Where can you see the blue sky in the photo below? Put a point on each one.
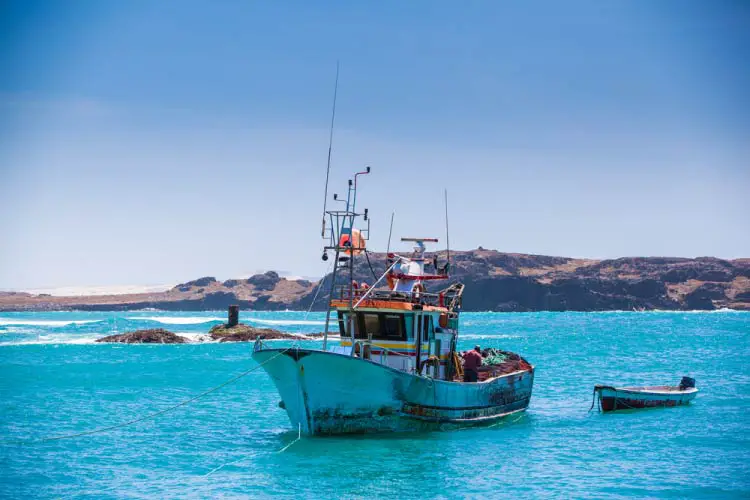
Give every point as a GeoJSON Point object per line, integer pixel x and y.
{"type": "Point", "coordinates": [154, 142]}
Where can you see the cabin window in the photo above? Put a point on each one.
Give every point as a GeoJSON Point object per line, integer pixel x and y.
{"type": "Point", "coordinates": [372, 324]}
{"type": "Point", "coordinates": [382, 326]}
{"type": "Point", "coordinates": [392, 327]}
{"type": "Point", "coordinates": [408, 327]}
{"type": "Point", "coordinates": [426, 328]}
{"type": "Point", "coordinates": [344, 326]}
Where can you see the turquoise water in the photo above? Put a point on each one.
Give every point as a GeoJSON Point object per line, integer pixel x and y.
{"type": "Point", "coordinates": [54, 381]}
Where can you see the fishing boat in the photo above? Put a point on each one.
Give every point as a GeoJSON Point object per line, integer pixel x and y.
{"type": "Point", "coordinates": [395, 366]}
{"type": "Point", "coordinates": [627, 398]}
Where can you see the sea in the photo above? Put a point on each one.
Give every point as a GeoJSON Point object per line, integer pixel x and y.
{"type": "Point", "coordinates": [235, 442]}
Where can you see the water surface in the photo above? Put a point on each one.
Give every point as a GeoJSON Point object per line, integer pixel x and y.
{"type": "Point", "coordinates": [54, 380]}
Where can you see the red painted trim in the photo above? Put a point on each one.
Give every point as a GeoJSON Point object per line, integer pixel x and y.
{"type": "Point", "coordinates": [426, 277]}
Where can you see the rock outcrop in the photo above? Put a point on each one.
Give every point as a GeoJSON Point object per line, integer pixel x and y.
{"type": "Point", "coordinates": [245, 333]}
{"type": "Point", "coordinates": [151, 336]}
{"type": "Point", "coordinates": [266, 281]}
{"type": "Point", "coordinates": [495, 281]}
{"type": "Point", "coordinates": [200, 282]}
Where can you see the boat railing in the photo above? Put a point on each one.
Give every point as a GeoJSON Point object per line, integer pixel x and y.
{"type": "Point", "coordinates": [424, 298]}
{"type": "Point", "coordinates": [258, 346]}
{"type": "Point", "coordinates": [384, 351]}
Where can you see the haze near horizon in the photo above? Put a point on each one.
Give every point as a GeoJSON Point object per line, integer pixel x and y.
{"type": "Point", "coordinates": [146, 143]}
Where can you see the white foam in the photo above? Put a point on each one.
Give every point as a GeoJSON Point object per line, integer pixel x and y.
{"type": "Point", "coordinates": [176, 320]}
{"type": "Point", "coordinates": [196, 337]}
{"type": "Point", "coordinates": [53, 340]}
{"type": "Point", "coordinates": [44, 322]}
{"type": "Point", "coordinates": [476, 336]}
{"type": "Point", "coordinates": [193, 338]}
{"type": "Point", "coordinates": [723, 310]}
{"type": "Point", "coordinates": [284, 321]}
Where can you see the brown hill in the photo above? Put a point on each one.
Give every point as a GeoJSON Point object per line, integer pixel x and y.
{"type": "Point", "coordinates": [495, 281]}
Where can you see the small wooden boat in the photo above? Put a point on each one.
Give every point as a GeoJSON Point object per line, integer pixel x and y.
{"type": "Point", "coordinates": [626, 398]}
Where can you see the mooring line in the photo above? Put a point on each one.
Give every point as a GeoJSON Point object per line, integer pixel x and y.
{"type": "Point", "coordinates": [145, 417]}
{"type": "Point", "coordinates": [240, 460]}
{"type": "Point", "coordinates": [319, 286]}
{"type": "Point", "coordinates": [593, 400]}
{"type": "Point", "coordinates": [502, 421]}
{"type": "Point", "coordinates": [225, 465]}
{"type": "Point", "coordinates": [299, 436]}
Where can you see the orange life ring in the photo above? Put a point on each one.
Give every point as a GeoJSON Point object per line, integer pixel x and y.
{"type": "Point", "coordinates": [354, 243]}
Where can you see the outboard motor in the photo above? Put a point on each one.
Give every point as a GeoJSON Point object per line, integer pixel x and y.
{"type": "Point", "coordinates": [687, 383]}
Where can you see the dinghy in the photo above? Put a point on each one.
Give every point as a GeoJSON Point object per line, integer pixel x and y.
{"type": "Point", "coordinates": [626, 398]}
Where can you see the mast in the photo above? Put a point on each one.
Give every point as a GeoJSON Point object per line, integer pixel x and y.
{"type": "Point", "coordinates": [447, 237]}
{"type": "Point", "coordinates": [330, 147]}
{"type": "Point", "coordinates": [325, 200]}
{"type": "Point", "coordinates": [390, 232]}
{"type": "Point", "coordinates": [341, 239]}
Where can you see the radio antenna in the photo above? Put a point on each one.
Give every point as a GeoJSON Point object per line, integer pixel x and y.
{"type": "Point", "coordinates": [330, 146]}
{"type": "Point", "coordinates": [447, 238]}
{"type": "Point", "coordinates": [390, 232]}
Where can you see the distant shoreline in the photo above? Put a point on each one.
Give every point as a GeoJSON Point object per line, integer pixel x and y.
{"type": "Point", "coordinates": [299, 311]}
{"type": "Point", "coordinates": [495, 281]}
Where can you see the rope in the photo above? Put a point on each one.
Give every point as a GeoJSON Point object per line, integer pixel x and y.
{"type": "Point", "coordinates": [225, 465]}
{"type": "Point", "coordinates": [145, 417]}
{"type": "Point", "coordinates": [299, 429]}
{"type": "Point", "coordinates": [598, 388]}
{"type": "Point", "coordinates": [502, 421]}
{"type": "Point", "coordinates": [367, 255]}
{"type": "Point", "coordinates": [319, 286]}
{"type": "Point", "coordinates": [398, 259]}
{"type": "Point", "coordinates": [458, 368]}
{"type": "Point", "coordinates": [299, 436]}
{"type": "Point", "coordinates": [593, 401]}
{"type": "Point", "coordinates": [240, 460]}
{"type": "Point", "coordinates": [216, 469]}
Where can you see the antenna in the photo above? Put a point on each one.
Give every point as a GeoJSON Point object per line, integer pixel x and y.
{"type": "Point", "coordinates": [447, 238]}
{"type": "Point", "coordinates": [390, 232]}
{"type": "Point", "coordinates": [330, 145]}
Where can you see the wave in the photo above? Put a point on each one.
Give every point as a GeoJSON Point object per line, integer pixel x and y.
{"type": "Point", "coordinates": [32, 339]}
{"type": "Point", "coordinates": [176, 320]}
{"type": "Point", "coordinates": [44, 322]}
{"type": "Point", "coordinates": [486, 336]}
{"type": "Point", "coordinates": [284, 321]}
{"type": "Point", "coordinates": [723, 310]}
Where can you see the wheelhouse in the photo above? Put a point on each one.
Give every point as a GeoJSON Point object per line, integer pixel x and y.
{"type": "Point", "coordinates": [416, 340]}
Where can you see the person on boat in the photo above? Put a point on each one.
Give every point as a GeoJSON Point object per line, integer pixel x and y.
{"type": "Point", "coordinates": [472, 361]}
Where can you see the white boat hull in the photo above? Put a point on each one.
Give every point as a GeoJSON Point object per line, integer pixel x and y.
{"type": "Point", "coordinates": [330, 393]}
